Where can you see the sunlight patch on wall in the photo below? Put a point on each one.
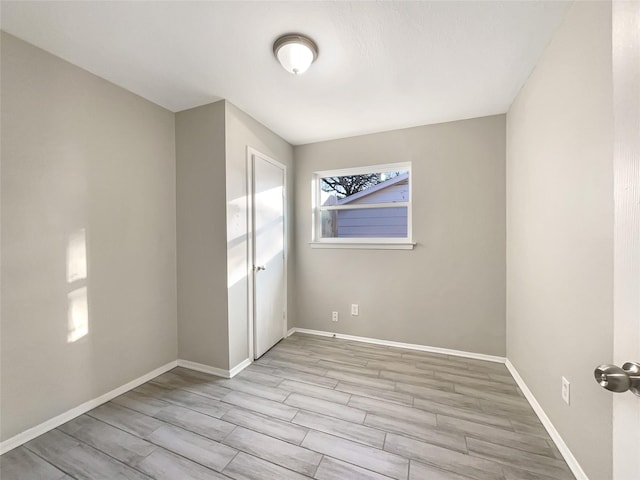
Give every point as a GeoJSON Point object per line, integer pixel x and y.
{"type": "Point", "coordinates": [236, 241]}
{"type": "Point", "coordinates": [77, 299]}
{"type": "Point", "coordinates": [77, 256]}
{"type": "Point", "coordinates": [77, 315]}
{"type": "Point", "coordinates": [237, 263]}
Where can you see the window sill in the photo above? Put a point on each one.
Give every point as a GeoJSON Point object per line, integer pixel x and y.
{"type": "Point", "coordinates": [364, 246]}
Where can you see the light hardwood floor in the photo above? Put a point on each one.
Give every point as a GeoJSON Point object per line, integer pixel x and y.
{"type": "Point", "coordinates": [312, 407]}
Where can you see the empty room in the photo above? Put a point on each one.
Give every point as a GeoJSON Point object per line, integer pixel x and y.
{"type": "Point", "coordinates": [347, 240]}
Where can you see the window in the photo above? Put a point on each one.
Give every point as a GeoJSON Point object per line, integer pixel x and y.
{"type": "Point", "coordinates": [363, 207]}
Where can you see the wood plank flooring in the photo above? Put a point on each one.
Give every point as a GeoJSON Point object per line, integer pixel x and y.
{"type": "Point", "coordinates": [312, 407]}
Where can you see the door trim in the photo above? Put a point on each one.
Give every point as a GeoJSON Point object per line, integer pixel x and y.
{"type": "Point", "coordinates": [251, 152]}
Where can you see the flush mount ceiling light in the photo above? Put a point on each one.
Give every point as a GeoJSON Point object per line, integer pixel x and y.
{"type": "Point", "coordinates": [295, 52]}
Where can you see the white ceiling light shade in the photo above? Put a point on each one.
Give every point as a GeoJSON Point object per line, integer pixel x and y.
{"type": "Point", "coordinates": [295, 52]}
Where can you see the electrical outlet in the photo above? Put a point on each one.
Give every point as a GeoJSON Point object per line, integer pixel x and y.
{"type": "Point", "coordinates": [334, 316]}
{"type": "Point", "coordinates": [566, 390]}
{"type": "Point", "coordinates": [355, 309]}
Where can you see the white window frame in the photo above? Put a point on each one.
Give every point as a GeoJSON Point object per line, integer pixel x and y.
{"type": "Point", "coordinates": [404, 243]}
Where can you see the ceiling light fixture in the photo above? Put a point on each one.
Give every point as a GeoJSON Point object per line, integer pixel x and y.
{"type": "Point", "coordinates": [295, 52]}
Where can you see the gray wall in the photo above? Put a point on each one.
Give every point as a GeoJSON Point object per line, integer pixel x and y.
{"type": "Point", "coordinates": [450, 290]}
{"type": "Point", "coordinates": [559, 231]}
{"type": "Point", "coordinates": [243, 131]}
{"type": "Point", "coordinates": [81, 155]}
{"type": "Point", "coordinates": [202, 282]}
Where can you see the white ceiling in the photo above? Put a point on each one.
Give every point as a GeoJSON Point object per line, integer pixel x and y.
{"type": "Point", "coordinates": [382, 65]}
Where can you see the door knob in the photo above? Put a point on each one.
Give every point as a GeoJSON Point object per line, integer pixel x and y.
{"type": "Point", "coordinates": [260, 267]}
{"type": "Point", "coordinates": [616, 379]}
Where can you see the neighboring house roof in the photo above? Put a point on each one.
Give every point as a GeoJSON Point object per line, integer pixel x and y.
{"type": "Point", "coordinates": [381, 186]}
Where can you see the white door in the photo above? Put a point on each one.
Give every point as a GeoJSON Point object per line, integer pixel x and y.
{"type": "Point", "coordinates": [269, 289]}
{"type": "Point", "coordinates": [626, 277]}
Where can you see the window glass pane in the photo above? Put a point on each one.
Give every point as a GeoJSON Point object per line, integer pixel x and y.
{"type": "Point", "coordinates": [386, 222]}
{"type": "Point", "coordinates": [381, 187]}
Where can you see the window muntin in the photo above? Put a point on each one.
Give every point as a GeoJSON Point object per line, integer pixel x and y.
{"type": "Point", "coordinates": [363, 205]}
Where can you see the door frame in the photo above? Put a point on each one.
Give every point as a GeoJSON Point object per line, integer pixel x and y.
{"type": "Point", "coordinates": [251, 274]}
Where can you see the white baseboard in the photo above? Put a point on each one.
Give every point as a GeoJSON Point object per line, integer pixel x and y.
{"type": "Point", "coordinates": [58, 420]}
{"type": "Point", "coordinates": [409, 346]}
{"type": "Point", "coordinates": [219, 372]}
{"type": "Point", "coordinates": [238, 368]}
{"type": "Point", "coordinates": [555, 435]}
{"type": "Point", "coordinates": [201, 367]}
